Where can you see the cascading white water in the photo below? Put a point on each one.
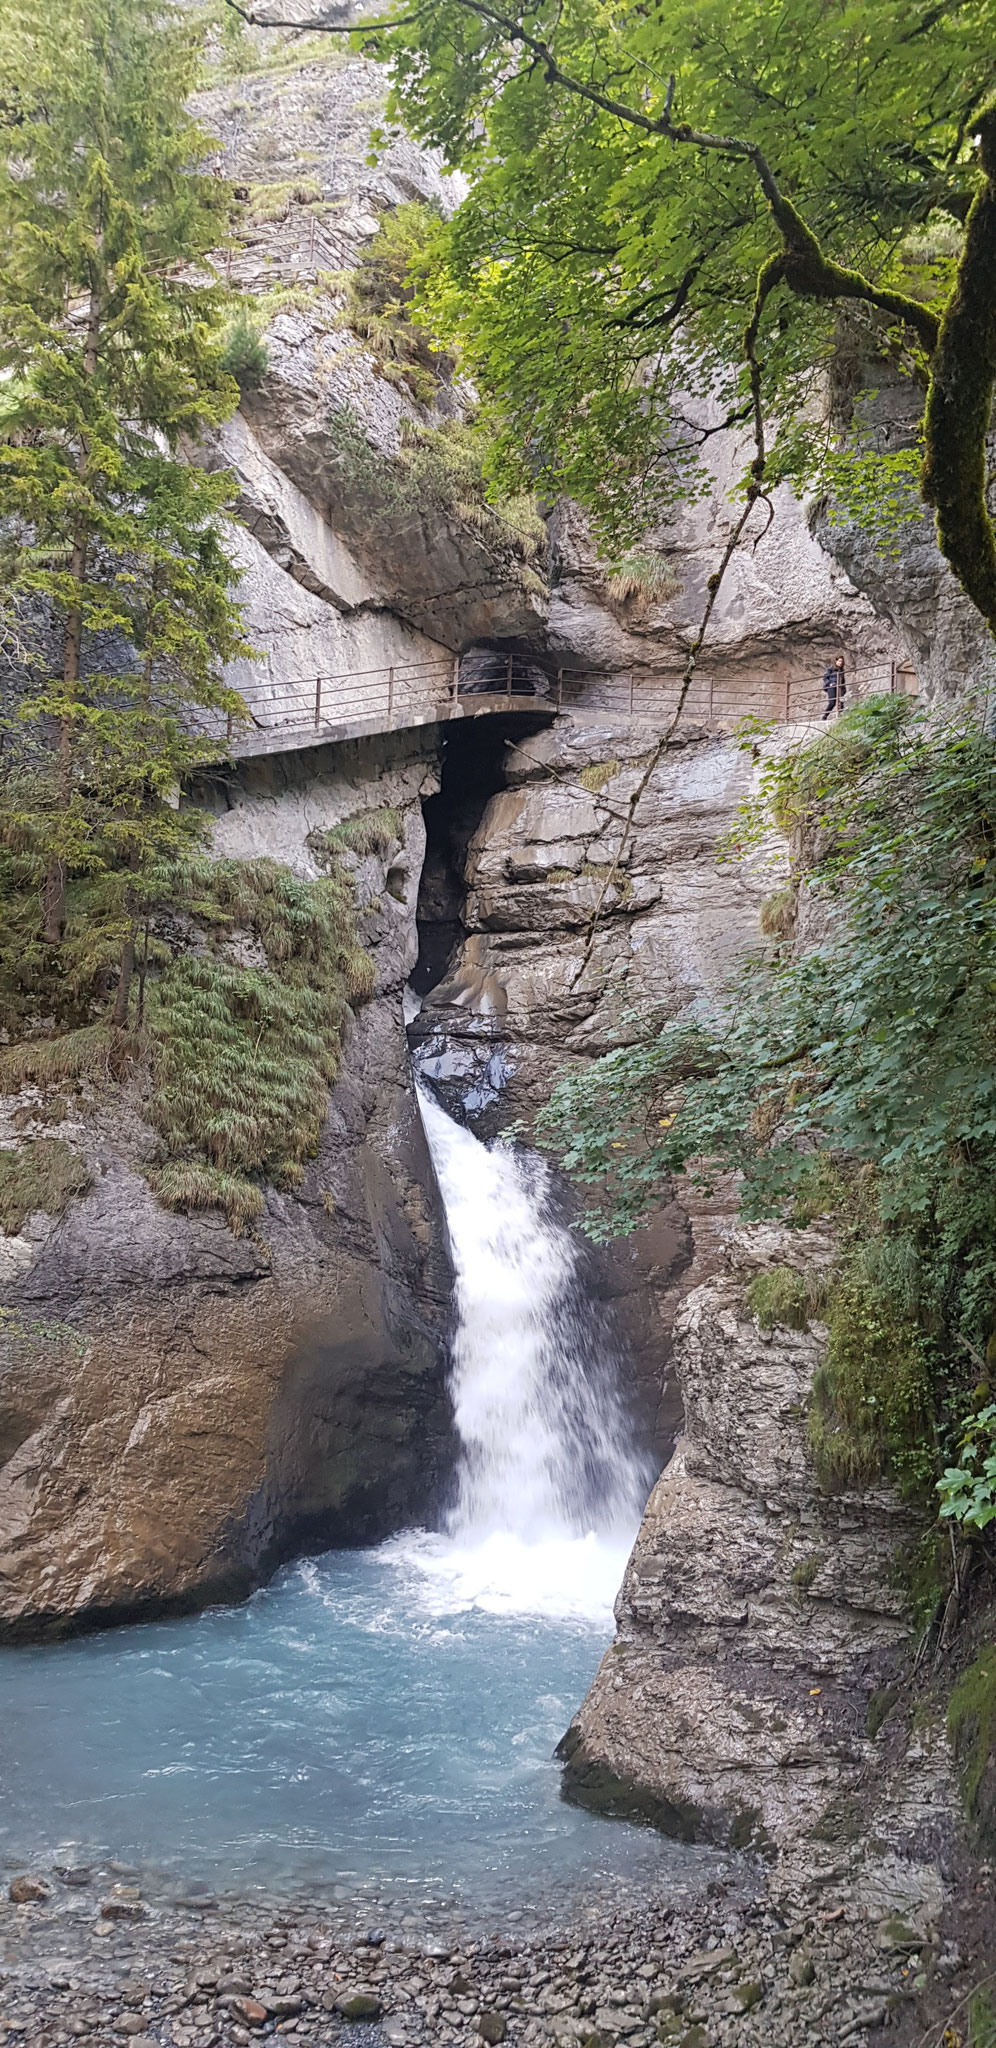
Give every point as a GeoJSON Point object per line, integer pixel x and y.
{"type": "Point", "coordinates": [549, 1487]}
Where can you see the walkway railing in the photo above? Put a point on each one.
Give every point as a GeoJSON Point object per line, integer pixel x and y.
{"type": "Point", "coordinates": [330, 707]}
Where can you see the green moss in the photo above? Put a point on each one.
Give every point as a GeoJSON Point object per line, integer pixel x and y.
{"type": "Point", "coordinates": [243, 1056]}
{"type": "Point", "coordinates": [747, 1831]}
{"type": "Point", "coordinates": [871, 1410]}
{"type": "Point", "coordinates": [820, 1190]}
{"type": "Point", "coordinates": [189, 1184]}
{"type": "Point", "coordinates": [879, 1708]}
{"type": "Point", "coordinates": [982, 2021]}
{"type": "Point", "coordinates": [922, 1573]}
{"type": "Point", "coordinates": [597, 774]}
{"type": "Point", "coordinates": [42, 1175]}
{"type": "Point", "coordinates": [778, 1299]}
{"type": "Point", "coordinates": [33, 1335]}
{"type": "Point", "coordinates": [559, 875]}
{"type": "Point", "coordinates": [971, 1723]}
{"type": "Point", "coordinates": [803, 1574]}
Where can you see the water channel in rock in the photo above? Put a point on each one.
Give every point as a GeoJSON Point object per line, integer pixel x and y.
{"type": "Point", "coordinates": [381, 1723]}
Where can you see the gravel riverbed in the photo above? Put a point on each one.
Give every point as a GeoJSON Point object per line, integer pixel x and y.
{"type": "Point", "coordinates": [755, 1958]}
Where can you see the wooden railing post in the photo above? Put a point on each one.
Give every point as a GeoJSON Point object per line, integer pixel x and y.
{"type": "Point", "coordinates": [318, 701]}
{"type": "Point", "coordinates": [390, 693]}
{"type": "Point", "coordinates": [711, 685]}
{"type": "Point", "coordinates": [508, 679]}
{"type": "Point", "coordinates": [456, 677]}
{"type": "Point", "coordinates": [785, 691]}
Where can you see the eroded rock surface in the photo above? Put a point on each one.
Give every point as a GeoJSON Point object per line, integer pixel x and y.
{"type": "Point", "coordinates": [758, 1615]}
{"type": "Point", "coordinates": [229, 1399]}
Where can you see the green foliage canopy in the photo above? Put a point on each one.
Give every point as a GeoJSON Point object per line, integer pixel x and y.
{"type": "Point", "coordinates": [643, 186]}
{"type": "Point", "coordinates": [119, 589]}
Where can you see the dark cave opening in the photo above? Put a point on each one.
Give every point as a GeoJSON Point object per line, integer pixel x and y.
{"type": "Point", "coordinates": [472, 772]}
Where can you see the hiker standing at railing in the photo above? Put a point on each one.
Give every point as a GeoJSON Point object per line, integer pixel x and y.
{"type": "Point", "coordinates": [834, 686]}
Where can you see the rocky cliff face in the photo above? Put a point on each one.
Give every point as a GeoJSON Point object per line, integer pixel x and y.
{"type": "Point", "coordinates": [346, 570]}
{"type": "Point", "coordinates": [181, 1408]}
{"type": "Point", "coordinates": [759, 1621]}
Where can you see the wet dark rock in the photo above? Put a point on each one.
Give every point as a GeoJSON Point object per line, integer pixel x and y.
{"type": "Point", "coordinates": [123, 1903]}
{"type": "Point", "coordinates": [358, 2005]}
{"type": "Point", "coordinates": [29, 1891]}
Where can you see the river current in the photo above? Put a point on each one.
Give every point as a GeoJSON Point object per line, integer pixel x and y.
{"type": "Point", "coordinates": [381, 1724]}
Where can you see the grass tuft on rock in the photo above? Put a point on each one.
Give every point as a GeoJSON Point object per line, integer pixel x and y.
{"type": "Point", "coordinates": [378, 831]}
{"type": "Point", "coordinates": [41, 1175]}
{"type": "Point", "coordinates": [244, 1055]}
{"type": "Point", "coordinates": [184, 1184]}
{"type": "Point", "coordinates": [272, 203]}
{"type": "Point", "coordinates": [596, 775]}
{"type": "Point", "coordinates": [643, 578]}
{"type": "Point", "coordinates": [778, 913]}
{"type": "Point", "coordinates": [87, 1054]}
{"type": "Point", "coordinates": [778, 1299]}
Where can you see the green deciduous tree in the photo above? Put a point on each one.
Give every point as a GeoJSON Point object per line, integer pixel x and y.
{"type": "Point", "coordinates": [120, 605]}
{"type": "Point", "coordinates": [662, 195]}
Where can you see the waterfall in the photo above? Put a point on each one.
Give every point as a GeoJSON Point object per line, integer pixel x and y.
{"type": "Point", "coordinates": [549, 1487]}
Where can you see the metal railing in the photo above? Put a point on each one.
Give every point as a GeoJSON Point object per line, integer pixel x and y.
{"type": "Point", "coordinates": [358, 702]}
{"type": "Point", "coordinates": [710, 700]}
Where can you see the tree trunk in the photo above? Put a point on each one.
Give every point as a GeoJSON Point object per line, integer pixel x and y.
{"type": "Point", "coordinates": [55, 879]}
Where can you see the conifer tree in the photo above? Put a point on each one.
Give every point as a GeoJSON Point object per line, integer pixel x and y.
{"type": "Point", "coordinates": [120, 606]}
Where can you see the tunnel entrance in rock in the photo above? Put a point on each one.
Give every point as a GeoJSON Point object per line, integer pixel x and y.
{"type": "Point", "coordinates": [472, 772]}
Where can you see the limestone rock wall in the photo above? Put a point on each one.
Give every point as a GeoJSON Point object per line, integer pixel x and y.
{"type": "Point", "coordinates": [226, 1401]}
{"type": "Point", "coordinates": [519, 997]}
{"type": "Point", "coordinates": [787, 603]}
{"type": "Point", "coordinates": [517, 1000]}
{"type": "Point", "coordinates": [394, 577]}
{"type": "Point", "coordinates": [758, 1617]}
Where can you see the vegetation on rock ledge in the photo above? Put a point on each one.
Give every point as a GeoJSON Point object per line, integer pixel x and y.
{"type": "Point", "coordinates": [855, 1080]}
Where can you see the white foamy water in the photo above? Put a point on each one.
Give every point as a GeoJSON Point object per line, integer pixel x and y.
{"type": "Point", "coordinates": [550, 1489]}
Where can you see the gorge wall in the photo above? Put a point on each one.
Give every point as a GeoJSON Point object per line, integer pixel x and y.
{"type": "Point", "coordinates": [183, 1407]}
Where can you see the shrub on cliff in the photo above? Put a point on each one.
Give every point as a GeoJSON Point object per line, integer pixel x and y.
{"type": "Point", "coordinates": [381, 301]}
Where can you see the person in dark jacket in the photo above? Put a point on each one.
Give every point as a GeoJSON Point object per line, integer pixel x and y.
{"type": "Point", "coordinates": [834, 686]}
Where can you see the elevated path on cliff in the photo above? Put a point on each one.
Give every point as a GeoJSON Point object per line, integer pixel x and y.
{"type": "Point", "coordinates": [323, 709]}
